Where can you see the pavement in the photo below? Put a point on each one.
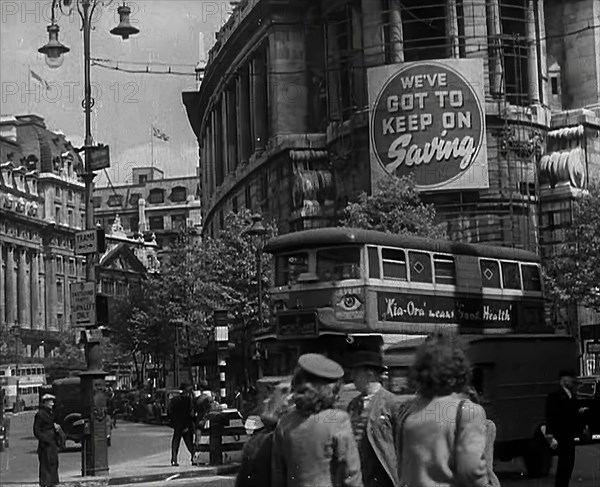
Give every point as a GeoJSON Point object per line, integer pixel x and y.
{"type": "Point", "coordinates": [151, 468]}
{"type": "Point", "coordinates": [140, 453]}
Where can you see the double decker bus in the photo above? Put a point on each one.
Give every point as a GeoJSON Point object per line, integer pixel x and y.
{"type": "Point", "coordinates": [341, 289]}
{"type": "Point", "coordinates": [340, 286]}
{"type": "Point", "coordinates": [26, 379]}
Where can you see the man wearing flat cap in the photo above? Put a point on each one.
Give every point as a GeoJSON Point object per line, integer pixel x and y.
{"type": "Point", "coordinates": [44, 429]}
{"type": "Point", "coordinates": [373, 414]}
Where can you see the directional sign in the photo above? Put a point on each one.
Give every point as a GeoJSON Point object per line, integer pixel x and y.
{"type": "Point", "coordinates": [83, 303]}
{"type": "Point", "coordinates": [99, 157]}
{"type": "Point", "coordinates": [86, 242]}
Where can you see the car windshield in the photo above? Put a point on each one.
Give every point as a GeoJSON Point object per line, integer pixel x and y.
{"type": "Point", "coordinates": [586, 388]}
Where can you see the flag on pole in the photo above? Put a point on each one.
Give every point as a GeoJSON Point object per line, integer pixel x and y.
{"type": "Point", "coordinates": [159, 134]}
{"type": "Point", "coordinates": [39, 79]}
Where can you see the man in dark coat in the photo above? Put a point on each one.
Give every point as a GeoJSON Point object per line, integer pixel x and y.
{"type": "Point", "coordinates": [563, 424]}
{"type": "Point", "coordinates": [44, 429]}
{"type": "Point", "coordinates": [181, 414]}
{"type": "Point", "coordinates": [373, 414]}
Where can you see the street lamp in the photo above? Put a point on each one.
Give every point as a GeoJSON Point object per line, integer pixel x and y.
{"type": "Point", "coordinates": [258, 231]}
{"type": "Point", "coordinates": [94, 452]}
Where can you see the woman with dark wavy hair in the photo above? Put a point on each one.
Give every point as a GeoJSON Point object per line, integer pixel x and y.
{"type": "Point", "coordinates": [442, 438]}
{"type": "Point", "coordinates": [313, 444]}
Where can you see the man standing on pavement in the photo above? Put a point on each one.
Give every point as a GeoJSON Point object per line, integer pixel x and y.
{"type": "Point", "coordinates": [563, 424]}
{"type": "Point", "coordinates": [45, 430]}
{"type": "Point", "coordinates": [203, 403]}
{"type": "Point", "coordinates": [373, 414]}
{"type": "Point", "coordinates": [181, 414]}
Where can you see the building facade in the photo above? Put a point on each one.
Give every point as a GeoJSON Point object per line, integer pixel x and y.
{"type": "Point", "coordinates": [294, 93]}
{"type": "Point", "coordinates": [283, 121]}
{"type": "Point", "coordinates": [42, 207]}
{"type": "Point", "coordinates": [151, 204]}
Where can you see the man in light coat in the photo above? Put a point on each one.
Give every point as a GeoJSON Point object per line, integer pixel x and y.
{"type": "Point", "coordinates": [373, 413]}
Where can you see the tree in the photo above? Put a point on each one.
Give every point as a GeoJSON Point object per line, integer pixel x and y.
{"type": "Point", "coordinates": [394, 207]}
{"type": "Point", "coordinates": [572, 276]}
{"type": "Point", "coordinates": [196, 278]}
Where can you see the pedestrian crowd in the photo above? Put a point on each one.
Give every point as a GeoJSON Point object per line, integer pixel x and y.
{"type": "Point", "coordinates": [440, 437]}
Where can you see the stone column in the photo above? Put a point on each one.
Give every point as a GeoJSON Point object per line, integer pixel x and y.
{"type": "Point", "coordinates": [2, 287]}
{"type": "Point", "coordinates": [51, 297]}
{"type": "Point", "coordinates": [540, 19]}
{"type": "Point", "coordinates": [259, 98]}
{"type": "Point", "coordinates": [243, 115]}
{"type": "Point", "coordinates": [35, 291]}
{"type": "Point", "coordinates": [452, 29]}
{"type": "Point", "coordinates": [396, 33]}
{"type": "Point", "coordinates": [210, 157]}
{"type": "Point", "coordinates": [231, 121]}
{"type": "Point", "coordinates": [23, 290]}
{"type": "Point", "coordinates": [495, 62]}
{"type": "Point", "coordinates": [223, 127]}
{"type": "Point", "coordinates": [218, 137]}
{"type": "Point", "coordinates": [288, 93]}
{"type": "Point", "coordinates": [372, 27]}
{"type": "Point", "coordinates": [11, 287]}
{"type": "Point", "coordinates": [532, 54]}
{"type": "Point", "coordinates": [333, 75]}
{"type": "Point", "coordinates": [42, 291]}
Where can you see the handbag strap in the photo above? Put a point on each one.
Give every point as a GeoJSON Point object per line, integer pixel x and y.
{"type": "Point", "coordinates": [459, 413]}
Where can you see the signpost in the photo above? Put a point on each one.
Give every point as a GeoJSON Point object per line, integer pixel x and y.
{"type": "Point", "coordinates": [83, 303]}
{"type": "Point", "coordinates": [99, 157]}
{"type": "Point", "coordinates": [89, 242]}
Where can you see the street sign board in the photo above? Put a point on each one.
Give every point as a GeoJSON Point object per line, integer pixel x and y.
{"type": "Point", "coordinates": [83, 303]}
{"type": "Point", "coordinates": [99, 157]}
{"type": "Point", "coordinates": [86, 242]}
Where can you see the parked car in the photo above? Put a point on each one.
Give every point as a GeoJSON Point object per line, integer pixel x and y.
{"type": "Point", "coordinates": [68, 408]}
{"type": "Point", "coordinates": [162, 398]}
{"type": "Point", "coordinates": [4, 423]}
{"type": "Point", "coordinates": [588, 395]}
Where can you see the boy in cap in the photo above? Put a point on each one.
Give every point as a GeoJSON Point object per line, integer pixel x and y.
{"type": "Point", "coordinates": [45, 429]}
{"type": "Point", "coordinates": [373, 414]}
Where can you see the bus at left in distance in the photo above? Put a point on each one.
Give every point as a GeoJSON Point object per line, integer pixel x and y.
{"type": "Point", "coordinates": [21, 385]}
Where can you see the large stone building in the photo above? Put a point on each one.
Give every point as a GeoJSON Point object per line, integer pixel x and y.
{"type": "Point", "coordinates": [303, 105]}
{"type": "Point", "coordinates": [151, 204]}
{"type": "Point", "coordinates": [42, 207]}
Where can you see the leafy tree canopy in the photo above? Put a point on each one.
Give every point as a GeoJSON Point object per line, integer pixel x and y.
{"type": "Point", "coordinates": [394, 207]}
{"type": "Point", "coordinates": [573, 275]}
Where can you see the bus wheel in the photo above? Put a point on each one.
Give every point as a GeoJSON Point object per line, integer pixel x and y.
{"type": "Point", "coordinates": [538, 456]}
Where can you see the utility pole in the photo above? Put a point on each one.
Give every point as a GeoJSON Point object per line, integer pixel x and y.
{"type": "Point", "coordinates": [94, 459]}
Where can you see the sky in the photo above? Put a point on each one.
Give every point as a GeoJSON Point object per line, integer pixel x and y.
{"type": "Point", "coordinates": [126, 104]}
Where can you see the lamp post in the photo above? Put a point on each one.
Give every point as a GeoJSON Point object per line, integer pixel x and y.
{"type": "Point", "coordinates": [258, 231]}
{"type": "Point", "coordinates": [94, 451]}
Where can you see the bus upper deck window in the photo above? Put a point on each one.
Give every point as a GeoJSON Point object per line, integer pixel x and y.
{"type": "Point", "coordinates": [394, 264]}
{"type": "Point", "coordinates": [289, 267]}
{"type": "Point", "coordinates": [420, 267]}
{"type": "Point", "coordinates": [490, 273]}
{"type": "Point", "coordinates": [338, 263]}
{"type": "Point", "coordinates": [531, 277]}
{"type": "Point", "coordinates": [511, 277]}
{"type": "Point", "coordinates": [444, 269]}
{"type": "Point", "coordinates": [373, 263]}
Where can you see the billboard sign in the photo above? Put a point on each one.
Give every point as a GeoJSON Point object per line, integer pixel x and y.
{"type": "Point", "coordinates": [427, 118]}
